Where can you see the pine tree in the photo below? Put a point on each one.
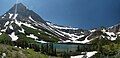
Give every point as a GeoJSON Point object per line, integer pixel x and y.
{"type": "Point", "coordinates": [55, 52]}
{"type": "Point", "coordinates": [78, 48]}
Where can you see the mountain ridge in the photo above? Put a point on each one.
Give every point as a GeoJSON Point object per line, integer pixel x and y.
{"type": "Point", "coordinates": [30, 24]}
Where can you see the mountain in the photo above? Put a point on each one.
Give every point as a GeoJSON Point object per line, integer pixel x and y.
{"type": "Point", "coordinates": [115, 28]}
{"type": "Point", "coordinates": [77, 35]}
{"type": "Point", "coordinates": [20, 23]}
{"type": "Point", "coordinates": [20, 20]}
{"type": "Point", "coordinates": [23, 28]}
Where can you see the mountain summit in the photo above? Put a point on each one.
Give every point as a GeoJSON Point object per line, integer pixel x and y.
{"type": "Point", "coordinates": [19, 8]}
{"type": "Point", "coordinates": [22, 14]}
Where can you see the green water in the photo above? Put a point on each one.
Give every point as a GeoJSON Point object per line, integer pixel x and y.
{"type": "Point", "coordinates": [65, 47]}
{"type": "Point", "coordinates": [68, 47]}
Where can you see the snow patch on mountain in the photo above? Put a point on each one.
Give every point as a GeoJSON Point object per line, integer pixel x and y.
{"type": "Point", "coordinates": [18, 23]}
{"type": "Point", "coordinates": [102, 36]}
{"type": "Point", "coordinates": [4, 14]}
{"type": "Point", "coordinates": [48, 33]}
{"type": "Point", "coordinates": [11, 22]}
{"type": "Point", "coordinates": [78, 56]}
{"type": "Point", "coordinates": [73, 36]}
{"type": "Point", "coordinates": [75, 41]}
{"type": "Point", "coordinates": [68, 41]}
{"type": "Point", "coordinates": [15, 16]}
{"type": "Point", "coordinates": [103, 30]}
{"type": "Point", "coordinates": [13, 36]}
{"type": "Point", "coordinates": [11, 27]}
{"type": "Point", "coordinates": [92, 30]}
{"type": "Point", "coordinates": [31, 19]}
{"type": "Point", "coordinates": [87, 54]}
{"type": "Point", "coordinates": [10, 15]}
{"type": "Point", "coordinates": [118, 33]}
{"type": "Point", "coordinates": [84, 41]}
{"type": "Point", "coordinates": [112, 36]}
{"type": "Point", "coordinates": [25, 24]}
{"type": "Point", "coordinates": [60, 27]}
{"type": "Point", "coordinates": [90, 54]}
{"type": "Point", "coordinates": [4, 30]}
{"type": "Point", "coordinates": [39, 33]}
{"type": "Point", "coordinates": [41, 41]}
{"type": "Point", "coordinates": [0, 33]}
{"type": "Point", "coordinates": [58, 33]}
{"type": "Point", "coordinates": [32, 36]}
{"type": "Point", "coordinates": [6, 23]}
{"type": "Point", "coordinates": [29, 25]}
{"type": "Point", "coordinates": [22, 30]}
{"type": "Point", "coordinates": [3, 17]}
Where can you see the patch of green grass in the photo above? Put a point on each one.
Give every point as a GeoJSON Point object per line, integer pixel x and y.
{"type": "Point", "coordinates": [32, 54]}
{"type": "Point", "coordinates": [14, 52]}
{"type": "Point", "coordinates": [5, 39]}
{"type": "Point", "coordinates": [42, 35]}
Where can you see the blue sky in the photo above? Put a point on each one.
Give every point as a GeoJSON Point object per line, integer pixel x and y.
{"type": "Point", "coordinates": [86, 14]}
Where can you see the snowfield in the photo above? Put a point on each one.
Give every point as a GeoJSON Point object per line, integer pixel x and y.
{"type": "Point", "coordinates": [15, 16]}
{"type": "Point", "coordinates": [41, 41]}
{"type": "Point", "coordinates": [6, 23]}
{"type": "Point", "coordinates": [0, 33]}
{"type": "Point", "coordinates": [4, 30]}
{"type": "Point", "coordinates": [25, 24]}
{"type": "Point", "coordinates": [59, 27]}
{"type": "Point", "coordinates": [31, 19]}
{"type": "Point", "coordinates": [10, 15]}
{"type": "Point", "coordinates": [72, 36]}
{"type": "Point", "coordinates": [11, 27]}
{"type": "Point", "coordinates": [92, 30]}
{"type": "Point", "coordinates": [112, 36]}
{"type": "Point", "coordinates": [3, 17]}
{"type": "Point", "coordinates": [13, 36]}
{"type": "Point", "coordinates": [22, 31]}
{"type": "Point", "coordinates": [118, 32]}
{"type": "Point", "coordinates": [88, 54]}
{"type": "Point", "coordinates": [32, 36]}
{"type": "Point", "coordinates": [78, 56]}
{"type": "Point", "coordinates": [84, 41]}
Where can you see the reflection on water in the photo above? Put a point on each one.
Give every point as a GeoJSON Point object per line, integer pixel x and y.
{"type": "Point", "coordinates": [69, 47]}
{"type": "Point", "coordinates": [65, 47]}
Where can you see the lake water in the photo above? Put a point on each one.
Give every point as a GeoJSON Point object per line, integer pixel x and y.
{"type": "Point", "coordinates": [67, 47]}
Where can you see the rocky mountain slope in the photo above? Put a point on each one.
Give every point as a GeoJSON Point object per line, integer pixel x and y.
{"type": "Point", "coordinates": [25, 22]}
{"type": "Point", "coordinates": [20, 22]}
